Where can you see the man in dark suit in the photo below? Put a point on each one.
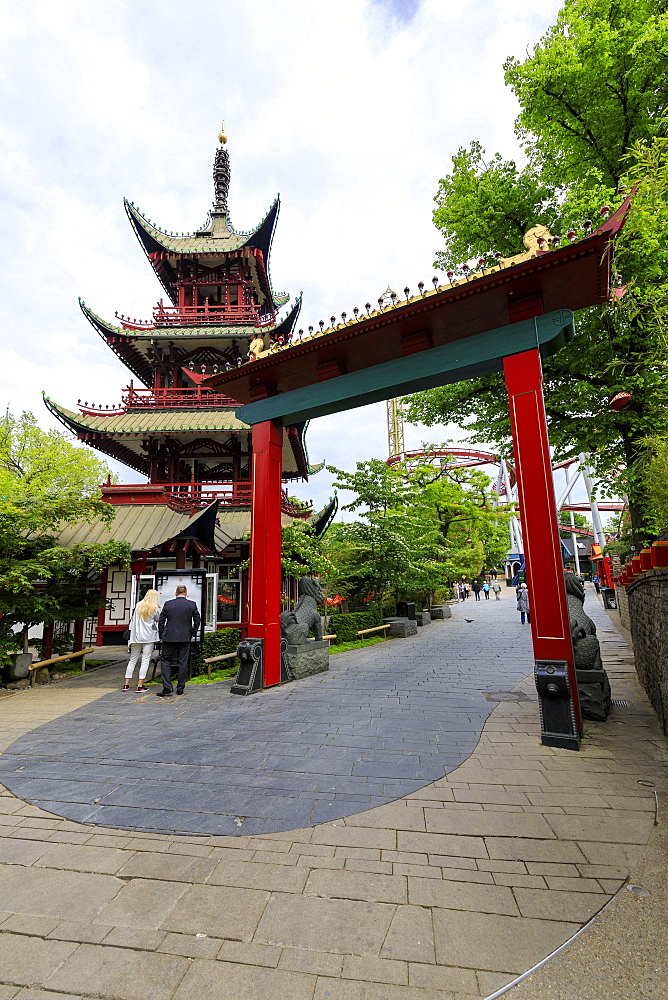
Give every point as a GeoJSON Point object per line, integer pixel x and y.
{"type": "Point", "coordinates": [177, 626]}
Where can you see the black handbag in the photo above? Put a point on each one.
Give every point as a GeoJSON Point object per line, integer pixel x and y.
{"type": "Point", "coordinates": [126, 636]}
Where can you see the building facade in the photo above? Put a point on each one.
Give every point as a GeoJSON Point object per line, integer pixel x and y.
{"type": "Point", "coordinates": [217, 309]}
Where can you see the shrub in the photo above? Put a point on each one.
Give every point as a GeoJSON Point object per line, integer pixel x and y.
{"type": "Point", "coordinates": [346, 626]}
{"type": "Point", "coordinates": [225, 640]}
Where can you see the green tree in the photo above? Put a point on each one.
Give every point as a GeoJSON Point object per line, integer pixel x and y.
{"type": "Point", "coordinates": [592, 100]}
{"type": "Point", "coordinates": [579, 519]}
{"type": "Point", "coordinates": [45, 482]}
{"type": "Point", "coordinates": [418, 528]}
{"type": "Point", "coordinates": [303, 554]}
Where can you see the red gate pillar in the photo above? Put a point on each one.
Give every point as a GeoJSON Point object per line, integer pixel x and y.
{"type": "Point", "coordinates": [542, 548]}
{"type": "Point", "coordinates": [265, 546]}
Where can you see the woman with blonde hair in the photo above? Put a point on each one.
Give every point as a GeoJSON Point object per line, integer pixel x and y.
{"type": "Point", "coordinates": [143, 636]}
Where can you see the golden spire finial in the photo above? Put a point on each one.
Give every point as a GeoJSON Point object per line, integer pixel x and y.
{"type": "Point", "coordinates": [222, 138]}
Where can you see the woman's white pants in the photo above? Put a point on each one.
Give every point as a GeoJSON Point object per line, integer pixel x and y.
{"type": "Point", "coordinates": [137, 649]}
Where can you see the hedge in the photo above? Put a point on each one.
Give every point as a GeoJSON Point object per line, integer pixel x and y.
{"type": "Point", "coordinates": [347, 626]}
{"type": "Point", "coordinates": [225, 640]}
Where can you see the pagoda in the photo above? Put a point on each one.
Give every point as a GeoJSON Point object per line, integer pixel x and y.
{"type": "Point", "coordinates": [217, 310]}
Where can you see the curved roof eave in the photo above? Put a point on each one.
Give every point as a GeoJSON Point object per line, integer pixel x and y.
{"type": "Point", "coordinates": [155, 240]}
{"type": "Point", "coordinates": [130, 358]}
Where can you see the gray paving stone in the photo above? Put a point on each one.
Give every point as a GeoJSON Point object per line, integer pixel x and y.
{"type": "Point", "coordinates": [169, 868]}
{"type": "Point", "coordinates": [105, 860]}
{"type": "Point", "coordinates": [142, 904]}
{"type": "Point", "coordinates": [343, 926]}
{"type": "Point", "coordinates": [357, 885]}
{"type": "Point", "coordinates": [119, 973]}
{"type": "Point", "coordinates": [410, 937]}
{"type": "Point", "coordinates": [88, 933]}
{"type": "Point", "coordinates": [20, 852]}
{"type": "Point", "coordinates": [226, 981]}
{"type": "Point", "coordinates": [30, 961]}
{"type": "Point", "coordinates": [65, 895]}
{"type": "Point", "coordinates": [462, 896]}
{"type": "Point", "coordinates": [256, 875]}
{"type": "Point", "coordinates": [495, 943]}
{"type": "Point", "coordinates": [219, 911]}
{"type": "Point", "coordinates": [28, 923]}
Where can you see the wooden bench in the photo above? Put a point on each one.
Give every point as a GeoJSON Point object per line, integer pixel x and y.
{"type": "Point", "coordinates": [43, 664]}
{"type": "Point", "coordinates": [217, 659]}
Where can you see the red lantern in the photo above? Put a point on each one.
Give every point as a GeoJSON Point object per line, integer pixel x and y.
{"type": "Point", "coordinates": [620, 401]}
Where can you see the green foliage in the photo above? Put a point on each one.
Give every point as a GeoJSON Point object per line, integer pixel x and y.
{"type": "Point", "coordinates": [654, 472]}
{"type": "Point", "coordinates": [483, 207]}
{"type": "Point", "coordinates": [345, 647]}
{"type": "Point", "coordinates": [46, 482]}
{"type": "Point", "coordinates": [224, 640]}
{"type": "Point", "coordinates": [592, 98]}
{"type": "Point", "coordinates": [302, 554]}
{"type": "Point", "coordinates": [418, 528]}
{"type": "Point", "coordinates": [579, 520]}
{"type": "Point", "coordinates": [593, 86]}
{"type": "Point", "coordinates": [346, 626]}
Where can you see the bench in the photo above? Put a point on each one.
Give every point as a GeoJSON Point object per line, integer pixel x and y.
{"type": "Point", "coordinates": [378, 628]}
{"type": "Point", "coordinates": [217, 659]}
{"type": "Point", "coordinates": [43, 664]}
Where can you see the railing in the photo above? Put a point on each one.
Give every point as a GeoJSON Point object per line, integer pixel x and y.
{"type": "Point", "coordinates": [146, 399]}
{"type": "Point", "coordinates": [195, 496]}
{"type": "Point", "coordinates": [197, 396]}
{"type": "Point", "coordinates": [193, 315]}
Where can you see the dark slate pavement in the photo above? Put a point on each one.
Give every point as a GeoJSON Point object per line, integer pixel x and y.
{"type": "Point", "coordinates": [381, 723]}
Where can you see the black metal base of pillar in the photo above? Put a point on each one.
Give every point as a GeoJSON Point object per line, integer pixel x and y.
{"type": "Point", "coordinates": [250, 677]}
{"type": "Point", "coordinates": [557, 716]}
{"type": "Point", "coordinates": [563, 742]}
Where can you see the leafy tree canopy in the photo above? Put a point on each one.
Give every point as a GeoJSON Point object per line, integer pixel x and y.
{"type": "Point", "coordinates": [418, 528]}
{"type": "Point", "coordinates": [45, 482]}
{"type": "Point", "coordinates": [593, 113]}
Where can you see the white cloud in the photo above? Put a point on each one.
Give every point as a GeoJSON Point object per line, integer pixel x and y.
{"type": "Point", "coordinates": [351, 109]}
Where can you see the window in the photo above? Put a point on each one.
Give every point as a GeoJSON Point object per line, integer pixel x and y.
{"type": "Point", "coordinates": [229, 594]}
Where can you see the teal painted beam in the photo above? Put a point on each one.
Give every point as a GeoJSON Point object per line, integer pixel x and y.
{"type": "Point", "coordinates": [469, 357]}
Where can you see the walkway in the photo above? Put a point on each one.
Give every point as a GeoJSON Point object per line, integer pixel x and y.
{"type": "Point", "coordinates": [448, 893]}
{"type": "Point", "coordinates": [381, 723]}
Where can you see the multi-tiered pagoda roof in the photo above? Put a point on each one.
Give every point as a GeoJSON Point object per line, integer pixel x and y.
{"type": "Point", "coordinates": [171, 427]}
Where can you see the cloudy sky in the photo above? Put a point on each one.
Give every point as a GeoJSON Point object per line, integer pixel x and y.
{"type": "Point", "coordinates": [351, 109]}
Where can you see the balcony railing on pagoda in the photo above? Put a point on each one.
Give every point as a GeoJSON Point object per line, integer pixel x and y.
{"type": "Point", "coordinates": [194, 496]}
{"type": "Point", "coordinates": [213, 315]}
{"type": "Point", "coordinates": [147, 399]}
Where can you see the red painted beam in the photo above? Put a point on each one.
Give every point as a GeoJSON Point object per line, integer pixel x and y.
{"type": "Point", "coordinates": [573, 277]}
{"type": "Point", "coordinates": [542, 547]}
{"type": "Point", "coordinates": [265, 546]}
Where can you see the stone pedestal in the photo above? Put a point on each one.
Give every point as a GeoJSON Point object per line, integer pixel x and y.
{"type": "Point", "coordinates": [308, 658]}
{"type": "Point", "coordinates": [440, 611]}
{"type": "Point", "coordinates": [401, 628]}
{"type": "Point", "coordinates": [595, 694]}
{"type": "Point", "coordinates": [17, 668]}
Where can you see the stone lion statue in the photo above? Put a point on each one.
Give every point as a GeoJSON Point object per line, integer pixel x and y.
{"type": "Point", "coordinates": [296, 625]}
{"type": "Point", "coordinates": [586, 647]}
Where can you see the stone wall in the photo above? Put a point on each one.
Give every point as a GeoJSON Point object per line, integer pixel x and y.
{"type": "Point", "coordinates": [648, 615]}
{"type": "Point", "coordinates": [622, 598]}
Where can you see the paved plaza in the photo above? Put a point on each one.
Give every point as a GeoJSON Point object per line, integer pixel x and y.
{"type": "Point", "coordinates": [383, 722]}
{"type": "Point", "coordinates": [471, 854]}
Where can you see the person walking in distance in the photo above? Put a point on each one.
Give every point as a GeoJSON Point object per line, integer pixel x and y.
{"type": "Point", "coordinates": [496, 587]}
{"type": "Point", "coordinates": [143, 636]}
{"type": "Point", "coordinates": [523, 602]}
{"type": "Point", "coordinates": [485, 590]}
{"type": "Point", "coordinates": [476, 589]}
{"type": "Point", "coordinates": [178, 625]}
